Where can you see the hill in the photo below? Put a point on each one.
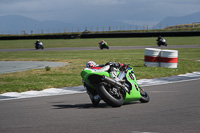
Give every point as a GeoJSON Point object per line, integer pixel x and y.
{"type": "Point", "coordinates": [15, 24]}
{"type": "Point", "coordinates": [188, 19]}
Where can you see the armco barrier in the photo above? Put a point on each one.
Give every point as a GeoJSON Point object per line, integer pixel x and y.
{"type": "Point", "coordinates": [102, 35]}
{"type": "Point", "coordinates": [140, 34]}
{"type": "Point", "coordinates": [160, 58]}
{"type": "Point", "coordinates": [71, 36]}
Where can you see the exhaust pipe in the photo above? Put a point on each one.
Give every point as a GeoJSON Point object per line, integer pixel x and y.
{"type": "Point", "coordinates": [113, 82]}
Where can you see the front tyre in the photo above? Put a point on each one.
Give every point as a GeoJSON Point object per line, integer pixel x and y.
{"type": "Point", "coordinates": [101, 47]}
{"type": "Point", "coordinates": [144, 96]}
{"type": "Point", "coordinates": [110, 95]}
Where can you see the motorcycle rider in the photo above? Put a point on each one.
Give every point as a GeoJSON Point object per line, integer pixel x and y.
{"type": "Point", "coordinates": [159, 38]}
{"type": "Point", "coordinates": [161, 41]}
{"type": "Point", "coordinates": [103, 42]}
{"type": "Point", "coordinates": [37, 44]}
{"type": "Point", "coordinates": [110, 67]}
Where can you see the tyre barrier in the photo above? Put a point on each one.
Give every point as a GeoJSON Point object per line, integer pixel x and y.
{"type": "Point", "coordinates": [160, 58]}
{"type": "Point", "coordinates": [151, 58]}
{"type": "Point", "coordinates": [169, 58]}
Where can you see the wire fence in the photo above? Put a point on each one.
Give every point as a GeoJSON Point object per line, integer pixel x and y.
{"type": "Point", "coordinates": [119, 28]}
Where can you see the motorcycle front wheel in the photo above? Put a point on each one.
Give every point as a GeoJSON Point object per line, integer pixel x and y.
{"type": "Point", "coordinates": [110, 95]}
{"type": "Point", "coordinates": [144, 96]}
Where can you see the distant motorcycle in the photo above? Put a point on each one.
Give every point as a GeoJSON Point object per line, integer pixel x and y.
{"type": "Point", "coordinates": [103, 45]}
{"type": "Point", "coordinates": [39, 45]}
{"type": "Point", "coordinates": [161, 41]}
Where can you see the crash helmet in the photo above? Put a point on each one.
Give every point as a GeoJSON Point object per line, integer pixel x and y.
{"type": "Point", "coordinates": [90, 64]}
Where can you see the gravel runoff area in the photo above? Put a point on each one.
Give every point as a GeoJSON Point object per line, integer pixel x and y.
{"type": "Point", "coordinates": [15, 66]}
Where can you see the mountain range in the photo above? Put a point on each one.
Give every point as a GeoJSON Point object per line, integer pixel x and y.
{"type": "Point", "coordinates": [188, 19]}
{"type": "Point", "coordinates": [16, 24]}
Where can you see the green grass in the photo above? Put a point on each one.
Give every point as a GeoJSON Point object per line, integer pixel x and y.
{"type": "Point", "coordinates": [55, 43]}
{"type": "Point", "coordinates": [69, 75]}
{"type": "Point", "coordinates": [184, 27]}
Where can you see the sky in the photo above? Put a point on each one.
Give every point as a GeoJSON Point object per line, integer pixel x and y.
{"type": "Point", "coordinates": [95, 12]}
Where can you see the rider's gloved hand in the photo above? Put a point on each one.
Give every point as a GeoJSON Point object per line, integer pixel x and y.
{"type": "Point", "coordinates": [122, 66]}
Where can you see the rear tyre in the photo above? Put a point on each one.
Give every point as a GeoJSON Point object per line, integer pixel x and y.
{"type": "Point", "coordinates": [110, 95]}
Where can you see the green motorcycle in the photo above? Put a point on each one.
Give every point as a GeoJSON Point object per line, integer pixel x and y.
{"type": "Point", "coordinates": [113, 92]}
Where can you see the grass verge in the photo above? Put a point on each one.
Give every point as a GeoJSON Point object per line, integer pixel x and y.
{"type": "Point", "coordinates": [69, 75]}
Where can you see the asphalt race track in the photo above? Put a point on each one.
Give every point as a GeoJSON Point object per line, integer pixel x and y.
{"type": "Point", "coordinates": [97, 48]}
{"type": "Point", "coordinates": [173, 108]}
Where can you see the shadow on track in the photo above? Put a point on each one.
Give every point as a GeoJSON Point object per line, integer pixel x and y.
{"type": "Point", "coordinates": [88, 106]}
{"type": "Point", "coordinates": [81, 106]}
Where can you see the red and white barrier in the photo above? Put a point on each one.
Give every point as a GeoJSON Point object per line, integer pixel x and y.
{"type": "Point", "coordinates": [151, 57]}
{"type": "Point", "coordinates": [160, 58]}
{"type": "Point", "coordinates": [169, 58]}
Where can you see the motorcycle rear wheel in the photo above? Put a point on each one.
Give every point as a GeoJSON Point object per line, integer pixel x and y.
{"type": "Point", "coordinates": [106, 94]}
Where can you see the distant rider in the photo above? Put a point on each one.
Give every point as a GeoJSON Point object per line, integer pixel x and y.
{"type": "Point", "coordinates": [110, 67]}
{"type": "Point", "coordinates": [161, 41]}
{"type": "Point", "coordinates": [103, 42]}
{"type": "Point", "coordinates": [159, 38]}
{"type": "Point", "coordinates": [37, 43]}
